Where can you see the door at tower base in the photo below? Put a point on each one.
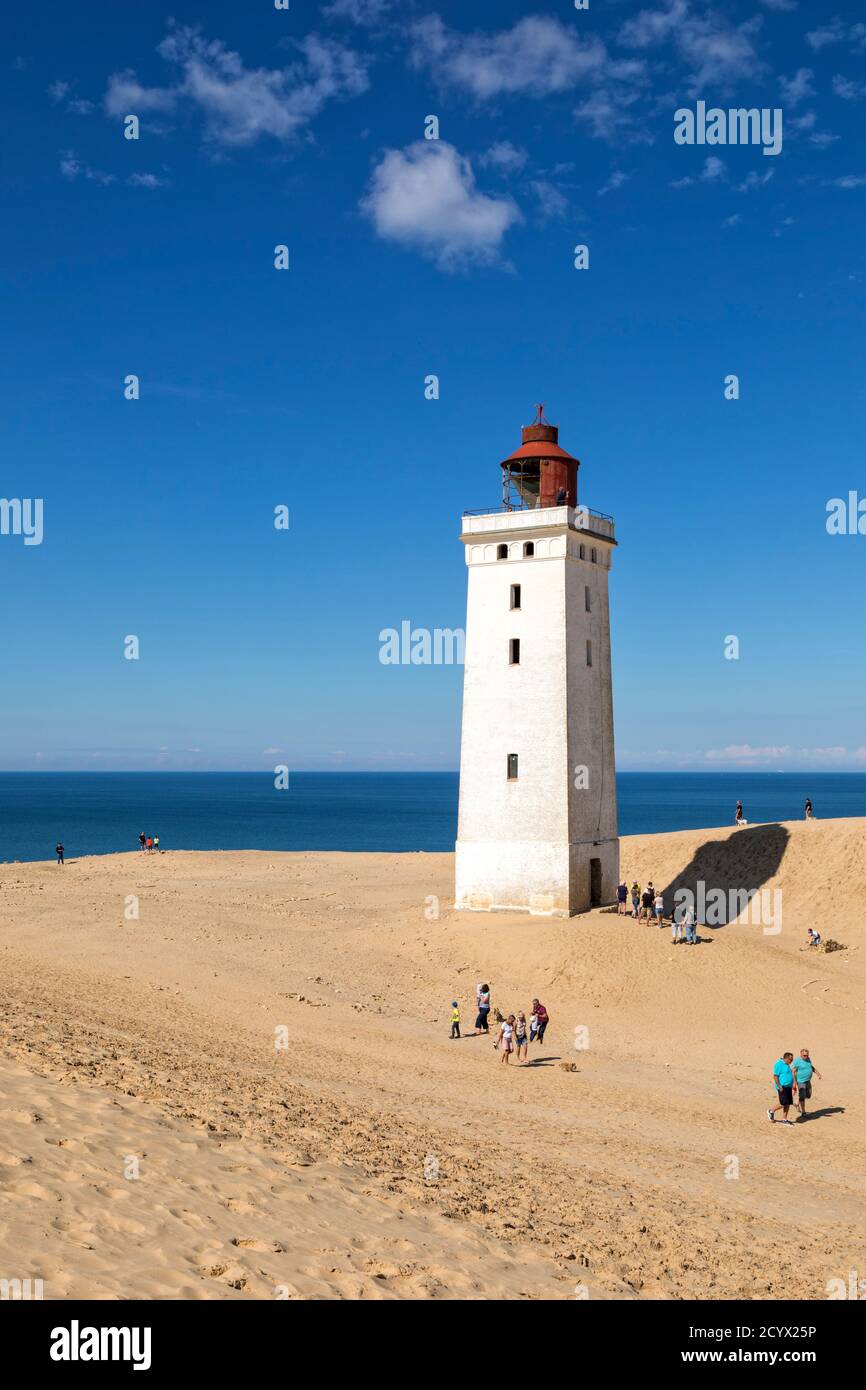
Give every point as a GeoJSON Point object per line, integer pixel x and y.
{"type": "Point", "coordinates": [543, 879]}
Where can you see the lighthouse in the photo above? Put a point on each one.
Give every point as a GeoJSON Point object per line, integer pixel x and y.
{"type": "Point", "coordinates": [537, 828]}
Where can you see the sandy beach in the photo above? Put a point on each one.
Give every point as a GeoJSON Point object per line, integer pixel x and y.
{"type": "Point", "coordinates": [372, 1156]}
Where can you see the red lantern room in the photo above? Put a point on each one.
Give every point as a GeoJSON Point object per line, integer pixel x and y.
{"type": "Point", "coordinates": [539, 473]}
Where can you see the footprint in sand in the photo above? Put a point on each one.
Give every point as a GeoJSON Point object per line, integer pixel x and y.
{"type": "Point", "coordinates": [264, 1247]}
{"type": "Point", "coordinates": [11, 1160]}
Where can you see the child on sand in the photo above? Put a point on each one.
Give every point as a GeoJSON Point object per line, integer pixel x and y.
{"type": "Point", "coordinates": [506, 1038]}
{"type": "Point", "coordinates": [521, 1041]}
{"type": "Point", "coordinates": [455, 1019]}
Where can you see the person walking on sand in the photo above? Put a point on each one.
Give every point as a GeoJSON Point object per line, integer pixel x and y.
{"type": "Point", "coordinates": [156, 844]}
{"type": "Point", "coordinates": [738, 818]}
{"type": "Point", "coordinates": [542, 1018]}
{"type": "Point", "coordinates": [677, 925]}
{"type": "Point", "coordinates": [482, 999]}
{"type": "Point", "coordinates": [635, 899]}
{"type": "Point", "coordinates": [59, 851]}
{"type": "Point", "coordinates": [804, 1070]}
{"type": "Point", "coordinates": [648, 897]}
{"type": "Point", "coordinates": [808, 809]}
{"type": "Point", "coordinates": [142, 840]}
{"type": "Point", "coordinates": [506, 1038]}
{"type": "Point", "coordinates": [783, 1080]}
{"type": "Point", "coordinates": [621, 898]}
{"type": "Point", "coordinates": [521, 1040]}
{"type": "Point", "coordinates": [455, 1019]}
{"type": "Point", "coordinates": [659, 905]}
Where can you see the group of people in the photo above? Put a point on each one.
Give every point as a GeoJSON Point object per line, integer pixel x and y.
{"type": "Point", "coordinates": [740, 819]}
{"type": "Point", "coordinates": [648, 905]}
{"type": "Point", "coordinates": [516, 1032]}
{"type": "Point", "coordinates": [149, 843]}
{"type": "Point", "coordinates": [792, 1076]}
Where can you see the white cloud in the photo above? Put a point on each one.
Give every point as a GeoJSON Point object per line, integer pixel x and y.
{"type": "Point", "coordinates": [616, 180]}
{"type": "Point", "coordinates": [80, 106]}
{"type": "Point", "coordinates": [72, 168]}
{"type": "Point", "coordinates": [795, 89]}
{"type": "Point", "coordinates": [714, 169]}
{"type": "Point", "coordinates": [753, 180]}
{"type": "Point", "coordinates": [146, 181]}
{"type": "Point", "coordinates": [734, 220]}
{"type": "Point", "coordinates": [550, 202]}
{"type": "Point", "coordinates": [717, 53]}
{"type": "Point", "coordinates": [126, 96]}
{"type": "Point", "coordinates": [424, 197]}
{"type": "Point", "coordinates": [847, 89]}
{"type": "Point", "coordinates": [847, 181]}
{"type": "Point", "coordinates": [505, 156]}
{"type": "Point", "coordinates": [363, 12]}
{"type": "Point", "coordinates": [536, 57]}
{"type": "Point", "coordinates": [58, 90]}
{"type": "Point", "coordinates": [242, 104]}
{"type": "Point", "coordinates": [822, 139]}
{"type": "Point", "coordinates": [608, 112]}
{"type": "Point", "coordinates": [780, 4]}
{"type": "Point", "coordinates": [837, 32]}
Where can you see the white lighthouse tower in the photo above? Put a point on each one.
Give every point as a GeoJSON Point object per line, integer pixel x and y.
{"type": "Point", "coordinates": [537, 825]}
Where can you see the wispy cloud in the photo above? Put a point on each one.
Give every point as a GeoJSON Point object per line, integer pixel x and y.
{"type": "Point", "coordinates": [535, 58]}
{"type": "Point", "coordinates": [502, 155]}
{"type": "Point", "coordinates": [716, 53]}
{"type": "Point", "coordinates": [797, 88]}
{"type": "Point", "coordinates": [240, 104]}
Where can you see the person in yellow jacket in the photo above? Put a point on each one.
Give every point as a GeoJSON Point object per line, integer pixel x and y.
{"type": "Point", "coordinates": [455, 1019]}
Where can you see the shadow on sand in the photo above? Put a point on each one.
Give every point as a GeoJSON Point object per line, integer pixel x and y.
{"type": "Point", "coordinates": [742, 863]}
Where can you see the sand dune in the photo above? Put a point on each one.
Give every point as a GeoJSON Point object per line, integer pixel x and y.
{"type": "Point", "coordinates": [649, 1171]}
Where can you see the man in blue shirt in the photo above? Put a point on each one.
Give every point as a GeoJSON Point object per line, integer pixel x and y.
{"type": "Point", "coordinates": [804, 1067]}
{"type": "Point", "coordinates": [783, 1080]}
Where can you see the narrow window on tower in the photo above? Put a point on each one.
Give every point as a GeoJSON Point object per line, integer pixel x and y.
{"type": "Point", "coordinates": [512, 767]}
{"type": "Point", "coordinates": [502, 552]}
{"type": "Point", "coordinates": [515, 596]}
{"type": "Point", "coordinates": [583, 552]}
{"type": "Point", "coordinates": [514, 651]}
{"type": "Point", "coordinates": [592, 555]}
{"type": "Point", "coordinates": [588, 652]}
{"type": "Point", "coordinates": [528, 549]}
{"type": "Point", "coordinates": [586, 598]}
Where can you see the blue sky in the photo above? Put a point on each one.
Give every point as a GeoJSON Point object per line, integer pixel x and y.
{"type": "Point", "coordinates": [410, 257]}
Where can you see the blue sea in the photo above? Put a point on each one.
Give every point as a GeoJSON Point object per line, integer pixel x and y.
{"type": "Point", "coordinates": [99, 813]}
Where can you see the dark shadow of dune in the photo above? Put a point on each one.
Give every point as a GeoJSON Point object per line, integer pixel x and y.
{"type": "Point", "coordinates": [738, 865]}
